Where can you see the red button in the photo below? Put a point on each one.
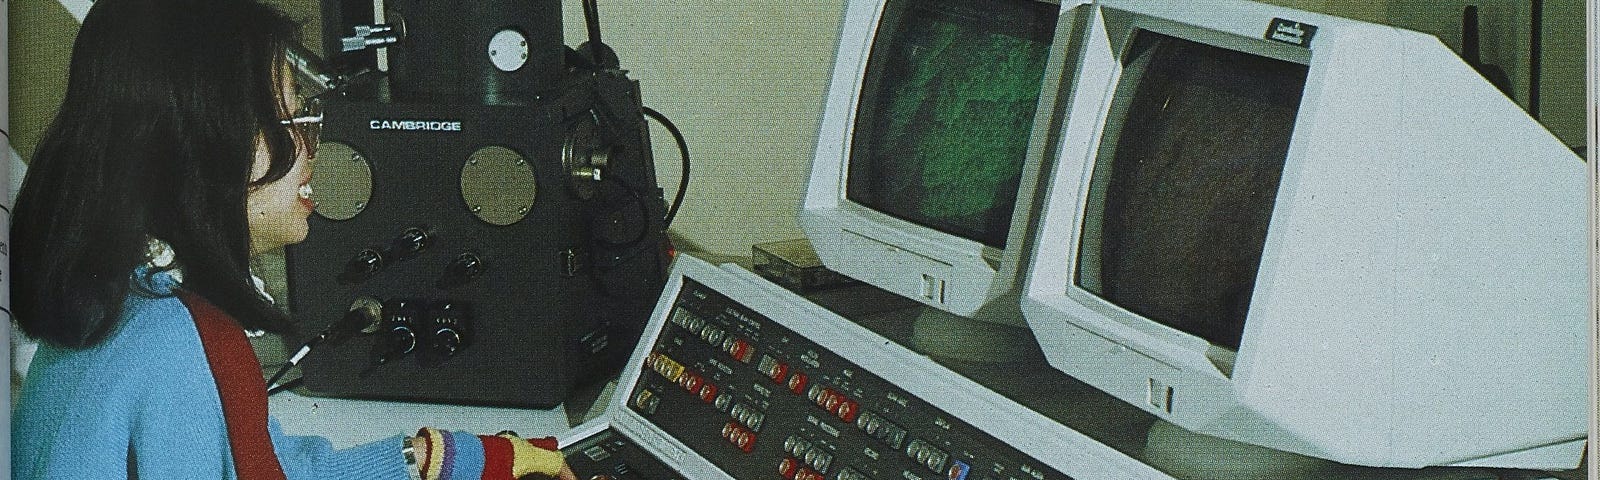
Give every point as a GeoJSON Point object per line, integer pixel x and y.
{"type": "Point", "coordinates": [797, 383]}
{"type": "Point", "coordinates": [708, 392]}
{"type": "Point", "coordinates": [831, 400]}
{"type": "Point", "coordinates": [741, 351]}
{"type": "Point", "coordinates": [739, 436]}
{"type": "Point", "coordinates": [746, 441]}
{"type": "Point", "coordinates": [848, 410]}
{"type": "Point", "coordinates": [779, 372]}
{"type": "Point", "coordinates": [788, 467]}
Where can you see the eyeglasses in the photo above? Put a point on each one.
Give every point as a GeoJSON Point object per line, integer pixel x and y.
{"type": "Point", "coordinates": [307, 124]}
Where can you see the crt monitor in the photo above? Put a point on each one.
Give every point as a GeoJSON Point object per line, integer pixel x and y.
{"type": "Point", "coordinates": [929, 122]}
{"type": "Point", "coordinates": [1314, 234]}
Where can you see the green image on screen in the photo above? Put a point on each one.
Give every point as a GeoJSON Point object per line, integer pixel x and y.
{"type": "Point", "coordinates": [946, 113]}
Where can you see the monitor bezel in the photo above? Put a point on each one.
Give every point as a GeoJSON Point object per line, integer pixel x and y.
{"type": "Point", "coordinates": [867, 80]}
{"type": "Point", "coordinates": [1362, 228]}
{"type": "Point", "coordinates": [982, 273]}
{"type": "Point", "coordinates": [1096, 89]}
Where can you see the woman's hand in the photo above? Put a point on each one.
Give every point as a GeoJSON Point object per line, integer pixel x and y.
{"type": "Point", "coordinates": [537, 458]}
{"type": "Point", "coordinates": [565, 474]}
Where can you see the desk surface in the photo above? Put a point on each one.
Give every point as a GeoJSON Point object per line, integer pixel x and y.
{"type": "Point", "coordinates": [348, 422]}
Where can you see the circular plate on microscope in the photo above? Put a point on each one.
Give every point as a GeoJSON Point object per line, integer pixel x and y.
{"type": "Point", "coordinates": [508, 50]}
{"type": "Point", "coordinates": [582, 154]}
{"type": "Point", "coordinates": [341, 184]}
{"type": "Point", "coordinates": [498, 186]}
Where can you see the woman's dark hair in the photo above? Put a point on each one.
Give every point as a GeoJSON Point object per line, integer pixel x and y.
{"type": "Point", "coordinates": [155, 138]}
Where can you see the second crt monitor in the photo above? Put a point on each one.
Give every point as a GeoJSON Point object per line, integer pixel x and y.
{"type": "Point", "coordinates": [1313, 234]}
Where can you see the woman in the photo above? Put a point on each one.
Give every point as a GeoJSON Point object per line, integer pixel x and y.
{"type": "Point", "coordinates": [179, 151]}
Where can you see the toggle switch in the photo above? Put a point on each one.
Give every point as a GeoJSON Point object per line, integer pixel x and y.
{"type": "Point", "coordinates": [410, 243]}
{"type": "Point", "coordinates": [363, 265]}
{"type": "Point", "coordinates": [460, 271]}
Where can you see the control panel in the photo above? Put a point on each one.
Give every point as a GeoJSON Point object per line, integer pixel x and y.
{"type": "Point", "coordinates": [757, 399]}
{"type": "Point", "coordinates": [487, 249]}
{"type": "Point", "coordinates": [609, 455]}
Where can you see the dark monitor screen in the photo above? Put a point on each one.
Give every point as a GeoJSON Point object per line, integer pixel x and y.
{"type": "Point", "coordinates": [946, 110]}
{"type": "Point", "coordinates": [1185, 182]}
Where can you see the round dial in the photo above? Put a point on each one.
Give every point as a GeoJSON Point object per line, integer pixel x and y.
{"type": "Point", "coordinates": [342, 182]}
{"type": "Point", "coordinates": [498, 185]}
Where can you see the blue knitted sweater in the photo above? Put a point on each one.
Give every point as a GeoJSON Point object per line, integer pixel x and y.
{"type": "Point", "coordinates": [143, 404]}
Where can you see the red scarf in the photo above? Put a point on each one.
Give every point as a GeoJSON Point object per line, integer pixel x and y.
{"type": "Point", "coordinates": [241, 387]}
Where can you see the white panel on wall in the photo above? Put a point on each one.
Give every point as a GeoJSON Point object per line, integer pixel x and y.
{"type": "Point", "coordinates": [78, 8]}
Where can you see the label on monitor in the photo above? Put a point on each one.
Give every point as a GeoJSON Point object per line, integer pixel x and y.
{"type": "Point", "coordinates": [1291, 32]}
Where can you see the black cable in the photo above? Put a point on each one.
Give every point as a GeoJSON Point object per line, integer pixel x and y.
{"type": "Point", "coordinates": [1535, 51]}
{"type": "Point", "coordinates": [286, 385]}
{"type": "Point", "coordinates": [623, 251]}
{"type": "Point", "coordinates": [272, 383]}
{"type": "Point", "coordinates": [683, 150]}
{"type": "Point", "coordinates": [639, 196]}
{"type": "Point", "coordinates": [591, 18]}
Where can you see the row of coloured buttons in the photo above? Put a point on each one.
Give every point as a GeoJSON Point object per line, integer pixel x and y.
{"type": "Point", "coordinates": [779, 373]}
{"type": "Point", "coordinates": [813, 455]}
{"type": "Point", "coordinates": [928, 455]}
{"type": "Point", "coordinates": [834, 402]}
{"type": "Point", "coordinates": [684, 318]}
{"type": "Point", "coordinates": [737, 348]}
{"type": "Point", "coordinates": [699, 327]}
{"type": "Point", "coordinates": [690, 381]}
{"type": "Point", "coordinates": [882, 429]}
{"type": "Point", "coordinates": [790, 469]}
{"type": "Point", "coordinates": [700, 387]}
{"type": "Point", "coordinates": [749, 416]}
{"type": "Point", "coordinates": [665, 366]}
{"type": "Point", "coordinates": [773, 369]}
{"type": "Point", "coordinates": [739, 436]}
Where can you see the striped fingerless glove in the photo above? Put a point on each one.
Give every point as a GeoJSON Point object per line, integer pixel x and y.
{"type": "Point", "coordinates": [459, 456]}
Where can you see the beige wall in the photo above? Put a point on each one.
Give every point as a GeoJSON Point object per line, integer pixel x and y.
{"type": "Point", "coordinates": [1505, 32]}
{"type": "Point", "coordinates": [40, 41]}
{"type": "Point", "coordinates": [40, 37]}
{"type": "Point", "coordinates": [745, 81]}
